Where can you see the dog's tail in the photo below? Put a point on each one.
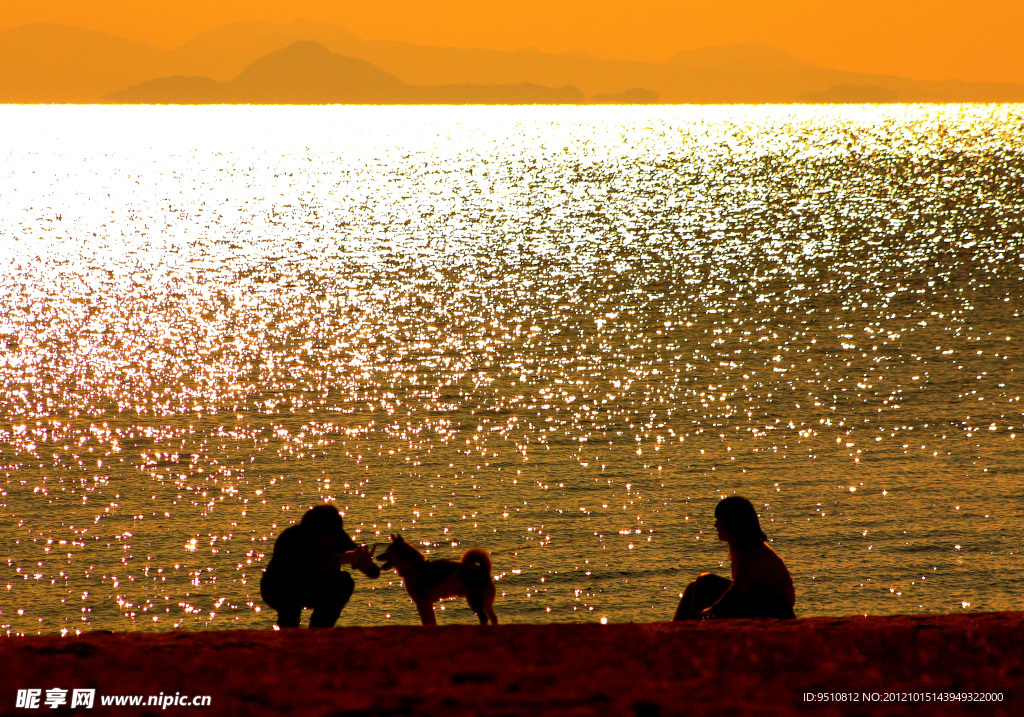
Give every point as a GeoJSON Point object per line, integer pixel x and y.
{"type": "Point", "coordinates": [476, 567]}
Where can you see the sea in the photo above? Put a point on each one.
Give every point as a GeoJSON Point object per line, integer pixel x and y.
{"type": "Point", "coordinates": [561, 334]}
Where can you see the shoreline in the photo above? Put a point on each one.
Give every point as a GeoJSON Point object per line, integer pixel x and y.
{"type": "Point", "coordinates": [732, 666]}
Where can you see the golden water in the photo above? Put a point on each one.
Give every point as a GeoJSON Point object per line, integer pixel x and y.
{"type": "Point", "coordinates": [561, 334]}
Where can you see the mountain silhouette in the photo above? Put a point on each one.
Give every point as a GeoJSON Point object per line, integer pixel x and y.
{"type": "Point", "coordinates": [173, 90]}
{"type": "Point", "coordinates": [850, 94]}
{"type": "Point", "coordinates": [223, 53]}
{"type": "Point", "coordinates": [52, 63]}
{"type": "Point", "coordinates": [743, 56]}
{"type": "Point", "coordinates": [307, 73]}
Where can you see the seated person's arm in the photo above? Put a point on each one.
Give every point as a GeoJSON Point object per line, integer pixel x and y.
{"type": "Point", "coordinates": [726, 606]}
{"type": "Point", "coordinates": [734, 599]}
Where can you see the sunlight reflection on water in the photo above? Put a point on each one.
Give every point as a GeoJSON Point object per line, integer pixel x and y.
{"type": "Point", "coordinates": [560, 334]}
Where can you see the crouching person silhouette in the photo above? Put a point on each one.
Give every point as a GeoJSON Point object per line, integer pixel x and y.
{"type": "Point", "coordinates": [761, 585]}
{"type": "Point", "coordinates": [304, 571]}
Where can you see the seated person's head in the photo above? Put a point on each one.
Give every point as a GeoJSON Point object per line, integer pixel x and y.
{"type": "Point", "coordinates": [737, 523]}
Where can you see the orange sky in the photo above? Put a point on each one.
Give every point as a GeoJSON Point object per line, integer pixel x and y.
{"type": "Point", "coordinates": [921, 39]}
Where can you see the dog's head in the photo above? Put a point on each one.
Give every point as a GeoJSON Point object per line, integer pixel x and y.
{"type": "Point", "coordinates": [399, 555]}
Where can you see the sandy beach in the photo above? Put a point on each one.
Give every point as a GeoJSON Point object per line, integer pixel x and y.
{"type": "Point", "coordinates": [730, 667]}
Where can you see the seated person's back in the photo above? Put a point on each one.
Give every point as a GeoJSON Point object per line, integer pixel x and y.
{"type": "Point", "coordinates": [761, 584]}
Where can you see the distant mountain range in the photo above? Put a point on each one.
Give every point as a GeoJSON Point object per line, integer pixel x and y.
{"type": "Point", "coordinates": [307, 73]}
{"type": "Point", "coordinates": [314, 63]}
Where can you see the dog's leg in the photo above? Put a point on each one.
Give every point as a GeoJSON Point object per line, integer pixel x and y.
{"type": "Point", "coordinates": [476, 604]}
{"type": "Point", "coordinates": [427, 614]}
{"type": "Point", "coordinates": [490, 592]}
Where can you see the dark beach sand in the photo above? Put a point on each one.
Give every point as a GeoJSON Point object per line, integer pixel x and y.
{"type": "Point", "coordinates": [731, 667]}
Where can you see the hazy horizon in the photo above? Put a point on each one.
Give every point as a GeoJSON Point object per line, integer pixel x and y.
{"type": "Point", "coordinates": [247, 63]}
{"type": "Point", "coordinates": [934, 41]}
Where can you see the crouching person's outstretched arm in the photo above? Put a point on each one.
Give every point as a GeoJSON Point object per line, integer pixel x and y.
{"type": "Point", "coordinates": [360, 558]}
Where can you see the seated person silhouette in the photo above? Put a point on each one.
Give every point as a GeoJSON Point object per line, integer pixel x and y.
{"type": "Point", "coordinates": [761, 585]}
{"type": "Point", "coordinates": [304, 571]}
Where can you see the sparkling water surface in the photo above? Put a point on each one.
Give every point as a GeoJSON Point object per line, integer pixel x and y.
{"type": "Point", "coordinates": [560, 334]}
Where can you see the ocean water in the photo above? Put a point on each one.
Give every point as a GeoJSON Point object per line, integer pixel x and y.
{"type": "Point", "coordinates": [560, 334]}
